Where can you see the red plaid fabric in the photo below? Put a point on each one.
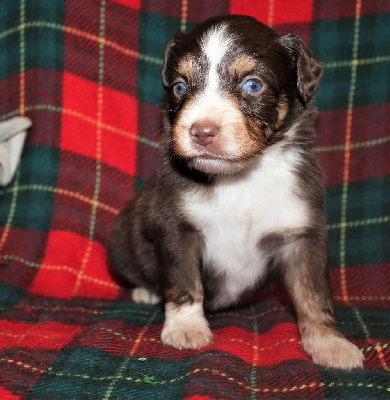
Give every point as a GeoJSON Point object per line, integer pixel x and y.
{"type": "Point", "coordinates": [88, 74]}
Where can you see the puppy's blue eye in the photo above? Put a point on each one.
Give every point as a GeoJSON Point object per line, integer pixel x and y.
{"type": "Point", "coordinates": [180, 88]}
{"type": "Point", "coordinates": [252, 86]}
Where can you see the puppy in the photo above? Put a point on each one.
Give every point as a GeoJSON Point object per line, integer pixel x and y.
{"type": "Point", "coordinates": [238, 191]}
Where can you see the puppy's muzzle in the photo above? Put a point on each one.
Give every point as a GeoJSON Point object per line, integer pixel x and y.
{"type": "Point", "coordinates": [204, 133]}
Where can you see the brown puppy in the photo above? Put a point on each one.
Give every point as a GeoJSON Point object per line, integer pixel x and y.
{"type": "Point", "coordinates": [238, 190]}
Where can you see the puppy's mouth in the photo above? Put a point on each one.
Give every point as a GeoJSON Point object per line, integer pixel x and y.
{"type": "Point", "coordinates": [218, 164]}
{"type": "Point", "coordinates": [210, 157]}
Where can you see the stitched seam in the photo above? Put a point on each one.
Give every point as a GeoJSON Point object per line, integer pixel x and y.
{"type": "Point", "coordinates": [184, 15]}
{"type": "Point", "coordinates": [122, 367]}
{"type": "Point", "coordinates": [85, 35]}
{"type": "Point", "coordinates": [196, 371]}
{"type": "Point", "coordinates": [255, 353]}
{"type": "Point", "coordinates": [85, 118]}
{"type": "Point", "coordinates": [98, 171]}
{"type": "Point", "coordinates": [347, 153]}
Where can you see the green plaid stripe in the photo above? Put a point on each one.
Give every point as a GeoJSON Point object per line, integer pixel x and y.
{"type": "Point", "coordinates": [32, 209]}
{"type": "Point", "coordinates": [367, 221]}
{"type": "Point", "coordinates": [44, 45]}
{"type": "Point", "coordinates": [138, 314]}
{"type": "Point", "coordinates": [9, 295]}
{"type": "Point", "coordinates": [376, 321]}
{"type": "Point", "coordinates": [27, 25]}
{"type": "Point", "coordinates": [91, 372]}
{"type": "Point", "coordinates": [343, 385]}
{"type": "Point", "coordinates": [332, 42]}
{"type": "Point", "coordinates": [374, 39]}
{"type": "Point", "coordinates": [155, 31]}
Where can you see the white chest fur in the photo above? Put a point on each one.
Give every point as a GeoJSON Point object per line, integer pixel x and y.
{"type": "Point", "coordinates": [239, 212]}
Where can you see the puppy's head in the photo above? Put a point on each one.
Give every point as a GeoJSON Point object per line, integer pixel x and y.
{"type": "Point", "coordinates": [233, 83]}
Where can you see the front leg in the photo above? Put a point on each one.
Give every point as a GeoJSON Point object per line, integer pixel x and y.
{"type": "Point", "coordinates": [303, 259]}
{"type": "Point", "coordinates": [185, 325]}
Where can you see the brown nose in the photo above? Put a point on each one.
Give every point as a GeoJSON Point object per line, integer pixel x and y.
{"type": "Point", "coordinates": [204, 132]}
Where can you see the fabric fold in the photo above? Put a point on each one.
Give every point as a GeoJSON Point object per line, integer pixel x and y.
{"type": "Point", "coordinates": [13, 133]}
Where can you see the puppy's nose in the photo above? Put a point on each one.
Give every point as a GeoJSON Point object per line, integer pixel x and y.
{"type": "Point", "coordinates": [204, 132]}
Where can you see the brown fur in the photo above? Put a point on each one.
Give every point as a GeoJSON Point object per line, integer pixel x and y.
{"type": "Point", "coordinates": [241, 66]}
{"type": "Point", "coordinates": [186, 67]}
{"type": "Point", "coordinates": [156, 245]}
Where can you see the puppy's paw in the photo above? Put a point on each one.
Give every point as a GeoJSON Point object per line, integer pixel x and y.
{"type": "Point", "coordinates": [333, 351]}
{"type": "Point", "coordinates": [187, 334]}
{"type": "Point", "coordinates": [186, 327]}
{"type": "Point", "coordinates": [145, 296]}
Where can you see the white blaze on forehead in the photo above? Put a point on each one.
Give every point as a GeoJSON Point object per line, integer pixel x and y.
{"type": "Point", "coordinates": [211, 103]}
{"type": "Point", "coordinates": [215, 45]}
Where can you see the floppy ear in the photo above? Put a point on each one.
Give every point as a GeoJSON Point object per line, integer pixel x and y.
{"type": "Point", "coordinates": [309, 69]}
{"type": "Point", "coordinates": [169, 53]}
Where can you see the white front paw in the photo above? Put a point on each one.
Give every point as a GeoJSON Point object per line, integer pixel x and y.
{"type": "Point", "coordinates": [186, 327]}
{"type": "Point", "coordinates": [189, 335]}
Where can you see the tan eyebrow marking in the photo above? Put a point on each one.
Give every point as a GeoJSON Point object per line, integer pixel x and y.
{"type": "Point", "coordinates": [186, 66]}
{"type": "Point", "coordinates": [282, 109]}
{"type": "Point", "coordinates": [242, 65]}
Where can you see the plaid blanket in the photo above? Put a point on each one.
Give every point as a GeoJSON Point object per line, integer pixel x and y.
{"type": "Point", "coordinates": [87, 73]}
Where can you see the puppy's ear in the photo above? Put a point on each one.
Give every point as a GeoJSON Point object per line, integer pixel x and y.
{"type": "Point", "coordinates": [309, 69]}
{"type": "Point", "coordinates": [169, 54]}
